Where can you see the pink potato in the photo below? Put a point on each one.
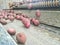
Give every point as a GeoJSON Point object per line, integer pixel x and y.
{"type": "Point", "coordinates": [36, 22]}
{"type": "Point", "coordinates": [21, 17]}
{"type": "Point", "coordinates": [26, 23]}
{"type": "Point", "coordinates": [1, 16]}
{"type": "Point", "coordinates": [21, 38]}
{"type": "Point", "coordinates": [11, 31]}
{"type": "Point", "coordinates": [33, 19]}
{"type": "Point", "coordinates": [17, 17]}
{"type": "Point", "coordinates": [3, 21]}
{"type": "Point", "coordinates": [30, 6]}
{"type": "Point", "coordinates": [38, 13]}
{"type": "Point", "coordinates": [11, 18]}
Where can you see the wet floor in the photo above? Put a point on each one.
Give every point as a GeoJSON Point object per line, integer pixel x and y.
{"type": "Point", "coordinates": [42, 34]}
{"type": "Point", "coordinates": [35, 35]}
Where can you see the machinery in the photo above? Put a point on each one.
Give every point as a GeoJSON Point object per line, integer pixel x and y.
{"type": "Point", "coordinates": [44, 4]}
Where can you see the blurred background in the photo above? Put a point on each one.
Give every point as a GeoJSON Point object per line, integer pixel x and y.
{"type": "Point", "coordinates": [13, 13]}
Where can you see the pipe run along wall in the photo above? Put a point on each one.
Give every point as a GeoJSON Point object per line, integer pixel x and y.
{"type": "Point", "coordinates": [41, 4]}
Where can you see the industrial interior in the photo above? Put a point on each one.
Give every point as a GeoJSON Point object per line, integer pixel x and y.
{"type": "Point", "coordinates": [29, 22]}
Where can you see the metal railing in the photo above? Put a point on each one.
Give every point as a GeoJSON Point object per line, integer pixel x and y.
{"type": "Point", "coordinates": [41, 4]}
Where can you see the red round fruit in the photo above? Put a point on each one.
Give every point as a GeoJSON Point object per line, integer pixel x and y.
{"type": "Point", "coordinates": [21, 38]}
{"type": "Point", "coordinates": [26, 23]}
{"type": "Point", "coordinates": [23, 20]}
{"type": "Point", "coordinates": [21, 17]}
{"type": "Point", "coordinates": [11, 31]}
{"type": "Point", "coordinates": [38, 13]}
{"type": "Point", "coordinates": [18, 17]}
{"type": "Point", "coordinates": [36, 22]}
{"type": "Point", "coordinates": [11, 18]}
{"type": "Point", "coordinates": [3, 22]}
{"type": "Point", "coordinates": [33, 19]}
{"type": "Point", "coordinates": [1, 16]}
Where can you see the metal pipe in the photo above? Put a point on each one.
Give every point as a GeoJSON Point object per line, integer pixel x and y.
{"type": "Point", "coordinates": [43, 4]}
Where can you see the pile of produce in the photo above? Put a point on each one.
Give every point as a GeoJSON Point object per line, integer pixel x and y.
{"type": "Point", "coordinates": [26, 20]}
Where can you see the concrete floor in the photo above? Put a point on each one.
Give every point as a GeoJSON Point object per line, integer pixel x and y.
{"type": "Point", "coordinates": [35, 35]}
